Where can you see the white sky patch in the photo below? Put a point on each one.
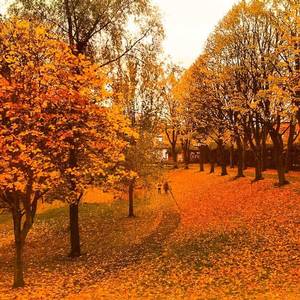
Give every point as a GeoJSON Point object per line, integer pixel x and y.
{"type": "Point", "coordinates": [188, 24]}
{"type": "Point", "coordinates": [3, 5]}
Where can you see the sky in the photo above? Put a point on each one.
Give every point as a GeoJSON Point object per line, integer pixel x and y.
{"type": "Point", "coordinates": [188, 24]}
{"type": "Point", "coordinates": [3, 5]}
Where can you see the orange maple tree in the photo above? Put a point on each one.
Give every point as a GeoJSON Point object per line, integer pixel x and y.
{"type": "Point", "coordinates": [55, 131]}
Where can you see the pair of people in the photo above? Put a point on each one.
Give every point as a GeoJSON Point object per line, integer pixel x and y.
{"type": "Point", "coordinates": [165, 186]}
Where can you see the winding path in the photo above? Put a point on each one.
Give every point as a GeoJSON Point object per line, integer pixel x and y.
{"type": "Point", "coordinates": [150, 247]}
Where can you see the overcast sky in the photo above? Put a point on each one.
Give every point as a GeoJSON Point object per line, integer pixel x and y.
{"type": "Point", "coordinates": [188, 24]}
{"type": "Point", "coordinates": [3, 5]}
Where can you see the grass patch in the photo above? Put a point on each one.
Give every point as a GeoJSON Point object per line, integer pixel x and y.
{"type": "Point", "coordinates": [5, 218]}
{"type": "Point", "coordinates": [210, 244]}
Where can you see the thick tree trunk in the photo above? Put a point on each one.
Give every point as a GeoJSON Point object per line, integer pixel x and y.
{"type": "Point", "coordinates": [279, 148]}
{"type": "Point", "coordinates": [281, 171]}
{"type": "Point", "coordinates": [288, 158]}
{"type": "Point", "coordinates": [19, 243]}
{"type": "Point", "coordinates": [224, 169]}
{"type": "Point", "coordinates": [258, 166]}
{"type": "Point", "coordinates": [174, 157]}
{"type": "Point", "coordinates": [74, 230]}
{"type": "Point", "coordinates": [240, 164]}
{"type": "Point", "coordinates": [130, 200]}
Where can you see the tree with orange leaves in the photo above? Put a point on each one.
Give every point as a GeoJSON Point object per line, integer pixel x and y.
{"type": "Point", "coordinates": [54, 129]}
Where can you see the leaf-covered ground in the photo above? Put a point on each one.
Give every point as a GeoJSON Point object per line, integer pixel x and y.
{"type": "Point", "coordinates": [224, 239]}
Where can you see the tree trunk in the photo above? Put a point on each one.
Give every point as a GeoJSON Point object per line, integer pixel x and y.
{"type": "Point", "coordinates": [174, 156]}
{"type": "Point", "coordinates": [212, 161]}
{"type": "Point", "coordinates": [258, 165]}
{"type": "Point", "coordinates": [186, 154]}
{"type": "Point", "coordinates": [19, 243]}
{"type": "Point", "coordinates": [222, 159]}
{"type": "Point", "coordinates": [224, 169]}
{"type": "Point", "coordinates": [240, 164]}
{"type": "Point", "coordinates": [281, 170]}
{"type": "Point", "coordinates": [130, 200]}
{"type": "Point", "coordinates": [232, 157]}
{"type": "Point", "coordinates": [74, 230]}
{"type": "Point", "coordinates": [264, 148]}
{"type": "Point", "coordinates": [288, 158]}
{"type": "Point", "coordinates": [201, 158]}
{"type": "Point", "coordinates": [245, 154]}
{"type": "Point", "coordinates": [278, 147]}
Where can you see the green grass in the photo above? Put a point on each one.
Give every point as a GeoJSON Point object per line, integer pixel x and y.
{"type": "Point", "coordinates": [198, 250]}
{"type": "Point", "coordinates": [86, 210]}
{"type": "Point", "coordinates": [5, 218]}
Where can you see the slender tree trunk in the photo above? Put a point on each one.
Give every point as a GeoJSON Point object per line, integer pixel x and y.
{"type": "Point", "coordinates": [222, 159]}
{"type": "Point", "coordinates": [186, 161]}
{"type": "Point", "coordinates": [212, 161]}
{"type": "Point", "coordinates": [19, 243]}
{"type": "Point", "coordinates": [245, 154]}
{"type": "Point", "coordinates": [201, 158]}
{"type": "Point", "coordinates": [240, 164]}
{"type": "Point", "coordinates": [264, 148]}
{"type": "Point", "coordinates": [74, 230]}
{"type": "Point", "coordinates": [288, 158]}
{"type": "Point", "coordinates": [186, 154]}
{"type": "Point", "coordinates": [232, 157]}
{"type": "Point", "coordinates": [130, 199]}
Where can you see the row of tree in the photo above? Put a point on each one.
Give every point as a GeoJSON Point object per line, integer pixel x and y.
{"type": "Point", "coordinates": [244, 89]}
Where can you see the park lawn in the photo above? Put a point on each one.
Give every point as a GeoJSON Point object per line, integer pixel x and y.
{"type": "Point", "coordinates": [105, 233]}
{"type": "Point", "coordinates": [218, 238]}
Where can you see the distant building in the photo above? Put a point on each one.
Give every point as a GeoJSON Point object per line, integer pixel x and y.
{"type": "Point", "coordinates": [163, 148]}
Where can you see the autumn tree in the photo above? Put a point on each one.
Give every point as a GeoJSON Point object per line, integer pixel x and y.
{"type": "Point", "coordinates": [207, 96]}
{"type": "Point", "coordinates": [28, 59]}
{"type": "Point", "coordinates": [250, 39]}
{"type": "Point", "coordinates": [137, 89]}
{"type": "Point", "coordinates": [190, 131]}
{"type": "Point", "coordinates": [252, 58]}
{"type": "Point", "coordinates": [55, 132]}
{"type": "Point", "coordinates": [172, 114]}
{"type": "Point", "coordinates": [98, 29]}
{"type": "Point", "coordinates": [140, 168]}
{"type": "Point", "coordinates": [285, 80]}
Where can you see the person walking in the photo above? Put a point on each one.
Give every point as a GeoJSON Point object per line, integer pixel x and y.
{"type": "Point", "coordinates": [166, 187]}
{"type": "Point", "coordinates": [159, 188]}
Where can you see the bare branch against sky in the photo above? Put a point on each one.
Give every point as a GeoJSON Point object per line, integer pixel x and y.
{"type": "Point", "coordinates": [187, 23]}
